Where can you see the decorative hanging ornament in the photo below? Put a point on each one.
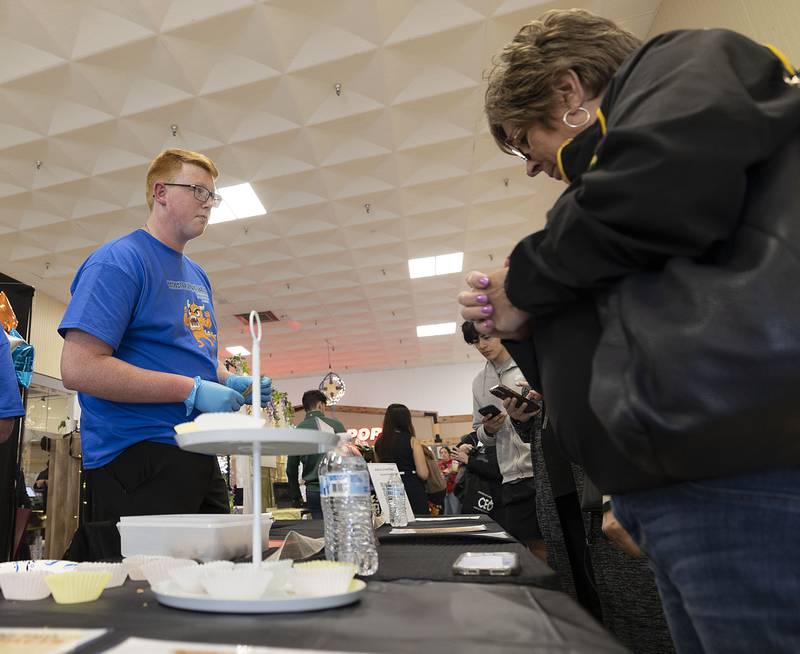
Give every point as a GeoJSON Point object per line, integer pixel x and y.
{"type": "Point", "coordinates": [332, 386]}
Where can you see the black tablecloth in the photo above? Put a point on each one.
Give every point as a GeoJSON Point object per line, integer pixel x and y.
{"type": "Point", "coordinates": [431, 557]}
{"type": "Point", "coordinates": [391, 617]}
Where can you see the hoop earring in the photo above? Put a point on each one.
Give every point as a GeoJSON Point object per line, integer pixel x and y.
{"type": "Point", "coordinates": [576, 125]}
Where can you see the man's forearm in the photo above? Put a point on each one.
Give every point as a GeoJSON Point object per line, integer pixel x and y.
{"type": "Point", "coordinates": [112, 379]}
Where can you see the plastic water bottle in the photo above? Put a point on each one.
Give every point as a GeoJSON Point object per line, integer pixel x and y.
{"type": "Point", "coordinates": [396, 499]}
{"type": "Point", "coordinates": [347, 508]}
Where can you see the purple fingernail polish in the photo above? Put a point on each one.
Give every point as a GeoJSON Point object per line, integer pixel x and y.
{"type": "Point", "coordinates": [487, 310]}
{"type": "Point", "coordinates": [489, 324]}
{"type": "Point", "coordinates": [483, 281]}
{"type": "Point", "coordinates": [482, 299]}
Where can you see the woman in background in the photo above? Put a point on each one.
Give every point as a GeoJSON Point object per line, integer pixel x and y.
{"type": "Point", "coordinates": [398, 444]}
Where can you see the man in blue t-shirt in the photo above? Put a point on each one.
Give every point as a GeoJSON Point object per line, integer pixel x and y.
{"type": "Point", "coordinates": [140, 347]}
{"type": "Point", "coordinates": [10, 398]}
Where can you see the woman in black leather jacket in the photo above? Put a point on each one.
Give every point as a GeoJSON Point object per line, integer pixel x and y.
{"type": "Point", "coordinates": [656, 307]}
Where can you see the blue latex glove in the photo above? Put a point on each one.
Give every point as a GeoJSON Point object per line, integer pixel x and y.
{"type": "Point", "coordinates": [211, 397]}
{"type": "Point", "coordinates": [242, 383]}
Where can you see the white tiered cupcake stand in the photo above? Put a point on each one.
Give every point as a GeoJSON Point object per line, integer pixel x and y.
{"type": "Point", "coordinates": [255, 442]}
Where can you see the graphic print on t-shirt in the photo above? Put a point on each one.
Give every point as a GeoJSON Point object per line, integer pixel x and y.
{"type": "Point", "coordinates": [198, 323]}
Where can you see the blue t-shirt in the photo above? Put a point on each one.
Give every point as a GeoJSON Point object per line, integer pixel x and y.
{"type": "Point", "coordinates": [10, 398]}
{"type": "Point", "coordinates": [153, 306]}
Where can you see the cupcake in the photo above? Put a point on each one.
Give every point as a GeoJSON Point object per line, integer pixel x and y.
{"type": "Point", "coordinates": [245, 583]}
{"type": "Point", "coordinates": [321, 578]}
{"type": "Point", "coordinates": [76, 587]}
{"type": "Point", "coordinates": [24, 585]}
{"type": "Point", "coordinates": [119, 572]}
{"type": "Point", "coordinates": [158, 570]}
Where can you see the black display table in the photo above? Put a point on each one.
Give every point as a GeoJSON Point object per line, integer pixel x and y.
{"type": "Point", "coordinates": [430, 558]}
{"type": "Point", "coordinates": [477, 614]}
{"type": "Point", "coordinates": [392, 617]}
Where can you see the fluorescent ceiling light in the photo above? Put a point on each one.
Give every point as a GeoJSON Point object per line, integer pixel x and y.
{"type": "Point", "coordinates": [436, 330]}
{"type": "Point", "coordinates": [238, 349]}
{"type": "Point", "coordinates": [239, 201]}
{"type": "Point", "coordinates": [444, 264]}
{"type": "Point", "coordinates": [449, 263]}
{"type": "Point", "coordinates": [425, 267]}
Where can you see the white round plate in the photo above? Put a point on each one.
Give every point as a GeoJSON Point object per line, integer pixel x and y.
{"type": "Point", "coordinates": [273, 441]}
{"type": "Point", "coordinates": [170, 594]}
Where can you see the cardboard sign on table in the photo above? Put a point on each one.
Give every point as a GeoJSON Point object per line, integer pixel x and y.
{"type": "Point", "coordinates": [149, 646]}
{"type": "Point", "coordinates": [28, 640]}
{"type": "Point", "coordinates": [381, 474]}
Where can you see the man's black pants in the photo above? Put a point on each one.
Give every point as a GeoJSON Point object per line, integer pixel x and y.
{"type": "Point", "coordinates": [148, 478]}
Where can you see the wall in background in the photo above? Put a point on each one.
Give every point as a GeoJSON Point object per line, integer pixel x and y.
{"type": "Point", "coordinates": [776, 22]}
{"type": "Point", "coordinates": [47, 314]}
{"type": "Point", "coordinates": [445, 389]}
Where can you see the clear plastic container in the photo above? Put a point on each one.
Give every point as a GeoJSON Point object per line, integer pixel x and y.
{"type": "Point", "coordinates": [201, 536]}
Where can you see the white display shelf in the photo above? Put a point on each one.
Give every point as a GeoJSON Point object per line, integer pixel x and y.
{"type": "Point", "coordinates": [271, 441]}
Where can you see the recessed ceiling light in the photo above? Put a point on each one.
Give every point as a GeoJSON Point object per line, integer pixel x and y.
{"type": "Point", "coordinates": [239, 201]}
{"type": "Point", "coordinates": [238, 349]}
{"type": "Point", "coordinates": [439, 329]}
{"type": "Point", "coordinates": [443, 264]}
{"type": "Point", "coordinates": [425, 267]}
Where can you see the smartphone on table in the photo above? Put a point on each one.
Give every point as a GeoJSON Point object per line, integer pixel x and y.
{"type": "Point", "coordinates": [504, 393]}
{"type": "Point", "coordinates": [495, 564]}
{"type": "Point", "coordinates": [489, 411]}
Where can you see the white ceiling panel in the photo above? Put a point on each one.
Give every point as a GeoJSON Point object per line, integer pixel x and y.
{"type": "Point", "coordinates": [398, 164]}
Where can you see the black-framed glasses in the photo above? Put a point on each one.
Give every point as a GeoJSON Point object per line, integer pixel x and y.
{"type": "Point", "coordinates": [201, 193]}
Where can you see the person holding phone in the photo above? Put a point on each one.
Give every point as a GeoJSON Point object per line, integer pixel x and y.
{"type": "Point", "coordinates": [494, 427]}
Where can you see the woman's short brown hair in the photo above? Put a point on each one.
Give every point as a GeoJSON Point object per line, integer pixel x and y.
{"type": "Point", "coordinates": [523, 78]}
{"type": "Point", "coordinates": [167, 164]}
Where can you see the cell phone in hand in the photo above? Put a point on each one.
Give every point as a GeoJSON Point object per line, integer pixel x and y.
{"type": "Point", "coordinates": [489, 411]}
{"type": "Point", "coordinates": [504, 393]}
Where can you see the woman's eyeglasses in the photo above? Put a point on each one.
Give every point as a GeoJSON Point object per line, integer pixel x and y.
{"type": "Point", "coordinates": [513, 147]}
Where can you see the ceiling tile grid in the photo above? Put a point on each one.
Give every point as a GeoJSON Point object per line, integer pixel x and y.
{"type": "Point", "coordinates": [396, 164]}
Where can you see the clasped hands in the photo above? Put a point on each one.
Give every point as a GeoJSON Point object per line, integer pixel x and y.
{"type": "Point", "coordinates": [488, 306]}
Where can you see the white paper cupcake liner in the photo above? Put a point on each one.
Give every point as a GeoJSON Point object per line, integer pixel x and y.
{"type": "Point", "coordinates": [321, 578]}
{"type": "Point", "coordinates": [44, 565]}
{"type": "Point", "coordinates": [281, 572]}
{"type": "Point", "coordinates": [241, 584]}
{"type": "Point", "coordinates": [119, 572]}
{"type": "Point", "coordinates": [133, 564]}
{"type": "Point", "coordinates": [189, 579]}
{"type": "Point", "coordinates": [24, 585]}
{"type": "Point", "coordinates": [77, 587]}
{"type": "Point", "coordinates": [158, 570]}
